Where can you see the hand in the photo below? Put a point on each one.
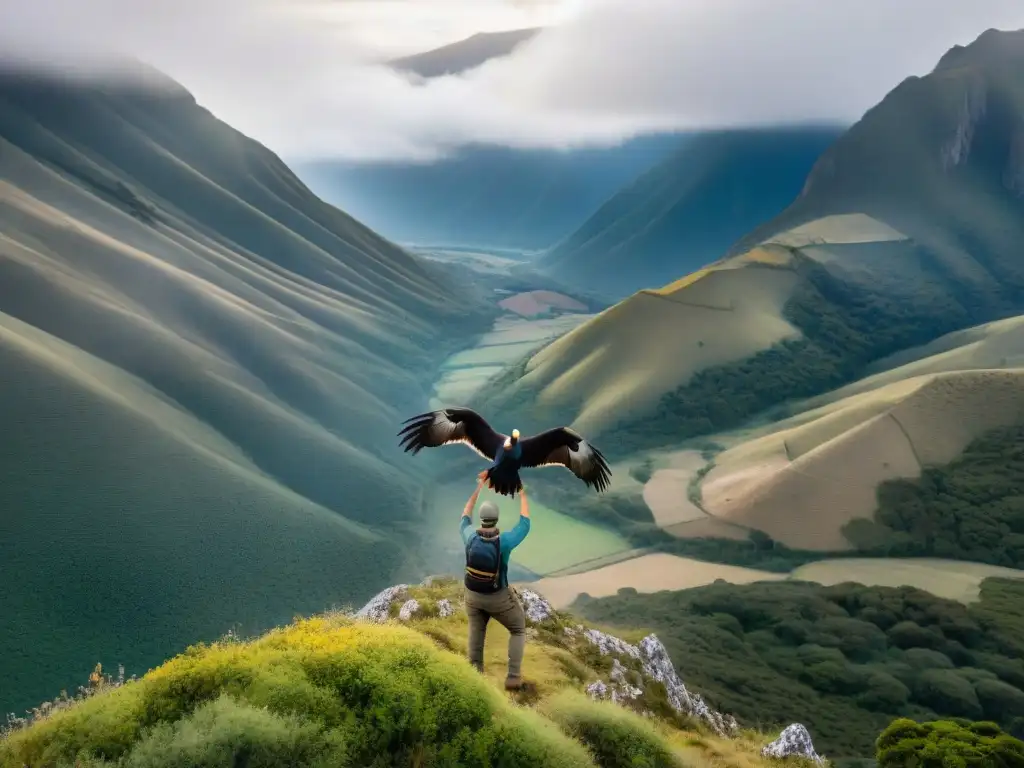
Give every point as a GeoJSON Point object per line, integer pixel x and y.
{"type": "Point", "coordinates": [483, 477]}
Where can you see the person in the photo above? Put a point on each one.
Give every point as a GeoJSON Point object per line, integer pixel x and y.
{"type": "Point", "coordinates": [488, 594]}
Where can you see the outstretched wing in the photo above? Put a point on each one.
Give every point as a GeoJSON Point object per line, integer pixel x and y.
{"type": "Point", "coordinates": [562, 447]}
{"type": "Point", "coordinates": [451, 425]}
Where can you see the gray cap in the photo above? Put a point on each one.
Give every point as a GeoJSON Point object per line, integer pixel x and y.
{"type": "Point", "coordinates": [489, 512]}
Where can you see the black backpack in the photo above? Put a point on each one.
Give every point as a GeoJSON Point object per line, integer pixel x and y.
{"type": "Point", "coordinates": [483, 564]}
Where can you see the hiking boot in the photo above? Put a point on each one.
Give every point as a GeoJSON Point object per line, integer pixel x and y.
{"type": "Point", "coordinates": [514, 683]}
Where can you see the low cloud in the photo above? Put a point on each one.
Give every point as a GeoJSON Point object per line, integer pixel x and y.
{"type": "Point", "coordinates": [303, 78]}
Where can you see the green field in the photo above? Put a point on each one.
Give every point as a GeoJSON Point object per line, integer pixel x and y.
{"type": "Point", "coordinates": [556, 541]}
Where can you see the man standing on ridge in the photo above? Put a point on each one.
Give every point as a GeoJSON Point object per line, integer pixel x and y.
{"type": "Point", "coordinates": [488, 594]}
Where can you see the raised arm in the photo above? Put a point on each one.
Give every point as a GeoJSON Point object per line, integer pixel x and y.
{"type": "Point", "coordinates": [468, 511]}
{"type": "Point", "coordinates": [512, 539]}
{"type": "Point", "coordinates": [466, 521]}
{"type": "Point", "coordinates": [524, 505]}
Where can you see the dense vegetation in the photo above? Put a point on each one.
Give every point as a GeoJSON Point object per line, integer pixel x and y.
{"type": "Point", "coordinates": [845, 327]}
{"type": "Point", "coordinates": [845, 660]}
{"type": "Point", "coordinates": [970, 509]}
{"type": "Point", "coordinates": [946, 744]}
{"type": "Point", "coordinates": [310, 695]}
{"type": "Point", "coordinates": [614, 735]}
{"type": "Point", "coordinates": [332, 692]}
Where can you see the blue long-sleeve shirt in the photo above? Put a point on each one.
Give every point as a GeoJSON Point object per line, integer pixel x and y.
{"type": "Point", "coordinates": [509, 540]}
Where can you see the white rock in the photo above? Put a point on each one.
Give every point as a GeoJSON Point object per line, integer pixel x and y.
{"type": "Point", "coordinates": [608, 644]}
{"type": "Point", "coordinates": [444, 608]}
{"type": "Point", "coordinates": [618, 673]}
{"type": "Point", "coordinates": [657, 665]}
{"type": "Point", "coordinates": [379, 606]}
{"type": "Point", "coordinates": [409, 609]}
{"type": "Point", "coordinates": [794, 741]}
{"type": "Point", "coordinates": [598, 690]}
{"type": "Point", "coordinates": [537, 608]}
{"type": "Point", "coordinates": [627, 692]}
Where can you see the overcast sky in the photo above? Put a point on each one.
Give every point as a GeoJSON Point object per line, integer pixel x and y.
{"type": "Point", "coordinates": [303, 76]}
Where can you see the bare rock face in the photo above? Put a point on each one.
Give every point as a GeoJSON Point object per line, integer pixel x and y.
{"type": "Point", "coordinates": [611, 645]}
{"type": "Point", "coordinates": [972, 110]}
{"type": "Point", "coordinates": [379, 606]}
{"type": "Point", "coordinates": [794, 741]}
{"type": "Point", "coordinates": [537, 608]}
{"type": "Point", "coordinates": [656, 665]}
{"type": "Point", "coordinates": [620, 687]}
{"type": "Point", "coordinates": [409, 609]}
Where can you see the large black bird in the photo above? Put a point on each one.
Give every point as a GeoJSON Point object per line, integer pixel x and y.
{"type": "Point", "coordinates": [559, 447]}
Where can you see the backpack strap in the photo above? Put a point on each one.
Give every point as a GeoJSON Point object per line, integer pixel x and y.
{"type": "Point", "coordinates": [497, 571]}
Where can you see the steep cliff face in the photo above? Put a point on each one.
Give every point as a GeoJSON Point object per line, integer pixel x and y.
{"type": "Point", "coordinates": [936, 151]}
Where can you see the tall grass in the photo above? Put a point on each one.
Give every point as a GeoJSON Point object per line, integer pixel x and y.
{"type": "Point", "coordinates": [322, 692]}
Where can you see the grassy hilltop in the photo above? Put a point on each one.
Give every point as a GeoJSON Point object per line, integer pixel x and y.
{"type": "Point", "coordinates": [336, 691]}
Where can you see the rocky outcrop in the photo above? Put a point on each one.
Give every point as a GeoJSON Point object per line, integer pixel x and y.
{"type": "Point", "coordinates": [794, 741]}
{"type": "Point", "coordinates": [655, 665]}
{"type": "Point", "coordinates": [379, 606]}
{"type": "Point", "coordinates": [409, 609]}
{"type": "Point", "coordinates": [645, 662]}
{"type": "Point", "coordinates": [537, 608]}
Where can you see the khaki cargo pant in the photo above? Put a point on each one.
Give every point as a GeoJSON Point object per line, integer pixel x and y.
{"type": "Point", "coordinates": [505, 607]}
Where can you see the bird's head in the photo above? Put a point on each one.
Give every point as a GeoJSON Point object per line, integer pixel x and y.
{"type": "Point", "coordinates": [513, 439]}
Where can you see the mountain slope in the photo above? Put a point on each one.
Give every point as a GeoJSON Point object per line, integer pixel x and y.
{"type": "Point", "coordinates": [687, 210]}
{"type": "Point", "coordinates": [464, 55]}
{"type": "Point", "coordinates": [804, 482]}
{"type": "Point", "coordinates": [203, 368]}
{"type": "Point", "coordinates": [391, 686]}
{"type": "Point", "coordinates": [486, 196]}
{"type": "Point", "coordinates": [908, 228]}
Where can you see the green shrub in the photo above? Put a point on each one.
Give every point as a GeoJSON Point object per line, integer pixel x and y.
{"type": "Point", "coordinates": [999, 700]}
{"type": "Point", "coordinates": [317, 693]}
{"type": "Point", "coordinates": [947, 744]}
{"type": "Point", "coordinates": [883, 693]}
{"type": "Point", "coordinates": [616, 737]}
{"type": "Point", "coordinates": [223, 732]}
{"type": "Point", "coordinates": [943, 690]}
{"type": "Point", "coordinates": [925, 658]}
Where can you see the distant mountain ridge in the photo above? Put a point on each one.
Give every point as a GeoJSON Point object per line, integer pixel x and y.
{"type": "Point", "coordinates": [687, 210]}
{"type": "Point", "coordinates": [463, 55]}
{"type": "Point", "coordinates": [487, 196]}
